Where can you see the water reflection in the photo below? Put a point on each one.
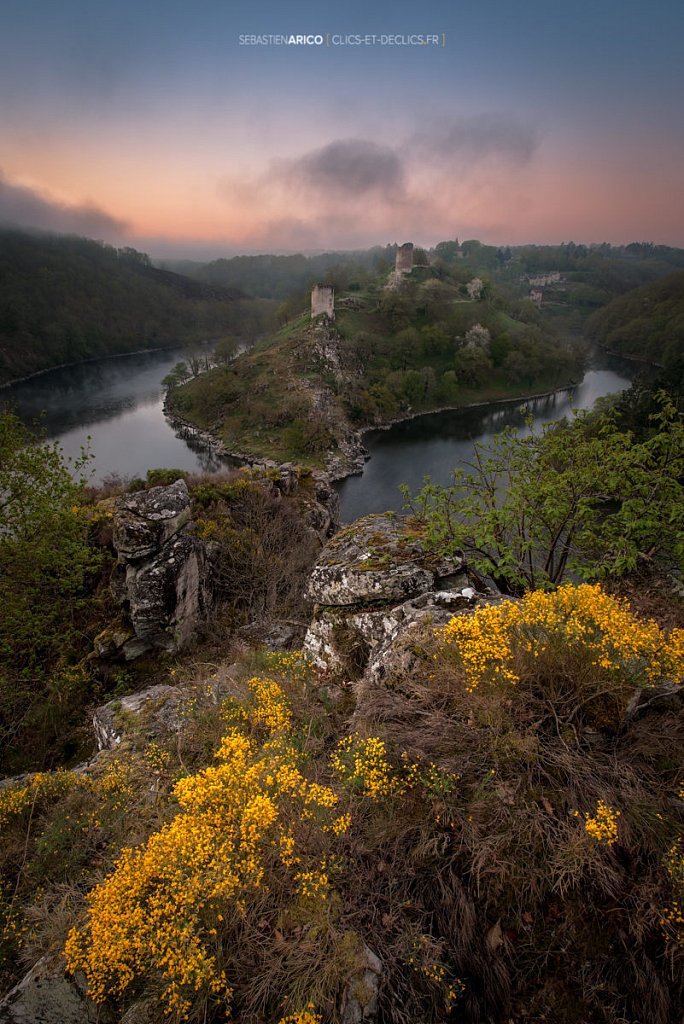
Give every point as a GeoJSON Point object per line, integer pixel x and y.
{"type": "Point", "coordinates": [434, 444]}
{"type": "Point", "coordinates": [116, 407]}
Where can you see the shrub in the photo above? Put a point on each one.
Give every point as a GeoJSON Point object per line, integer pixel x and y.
{"type": "Point", "coordinates": [578, 647]}
{"type": "Point", "coordinates": [582, 497]}
{"type": "Point", "coordinates": [47, 570]}
{"type": "Point", "coordinates": [266, 547]}
{"type": "Point", "coordinates": [549, 872]}
{"type": "Point", "coordinates": [169, 908]}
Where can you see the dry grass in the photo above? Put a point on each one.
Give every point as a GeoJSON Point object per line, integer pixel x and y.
{"type": "Point", "coordinates": [571, 916]}
{"type": "Point", "coordinates": [492, 879]}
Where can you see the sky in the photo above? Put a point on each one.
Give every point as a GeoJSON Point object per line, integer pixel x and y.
{"type": "Point", "coordinates": [190, 131]}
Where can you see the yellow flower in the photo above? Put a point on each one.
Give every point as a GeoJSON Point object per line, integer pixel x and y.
{"type": "Point", "coordinates": [160, 909]}
{"type": "Point", "coordinates": [603, 825]}
{"type": "Point", "coordinates": [487, 642]}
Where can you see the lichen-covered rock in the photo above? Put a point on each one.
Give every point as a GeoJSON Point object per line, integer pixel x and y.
{"type": "Point", "coordinates": [162, 580]}
{"type": "Point", "coordinates": [155, 710]}
{"type": "Point", "coordinates": [351, 585]}
{"type": "Point", "coordinates": [117, 583]}
{"type": "Point", "coordinates": [112, 641]}
{"type": "Point", "coordinates": [377, 558]}
{"type": "Point", "coordinates": [368, 579]}
{"type": "Point", "coordinates": [47, 996]}
{"type": "Point", "coordinates": [146, 520]}
{"type": "Point", "coordinates": [396, 654]}
{"type": "Point", "coordinates": [326, 494]}
{"type": "Point", "coordinates": [168, 596]}
{"type": "Point", "coordinates": [370, 639]}
{"type": "Point", "coordinates": [359, 1003]}
{"type": "Point", "coordinates": [340, 636]}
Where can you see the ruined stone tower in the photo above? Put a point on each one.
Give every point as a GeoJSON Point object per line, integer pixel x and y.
{"type": "Point", "coordinates": [403, 261]}
{"type": "Point", "coordinates": [323, 301]}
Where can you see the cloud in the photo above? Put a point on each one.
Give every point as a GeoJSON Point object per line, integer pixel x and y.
{"type": "Point", "coordinates": [479, 137]}
{"type": "Point", "coordinates": [453, 176]}
{"type": "Point", "coordinates": [25, 207]}
{"type": "Point", "coordinates": [353, 166]}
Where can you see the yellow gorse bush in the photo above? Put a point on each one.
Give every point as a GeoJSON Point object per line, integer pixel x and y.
{"type": "Point", "coordinates": [160, 910]}
{"type": "Point", "coordinates": [490, 642]}
{"type": "Point", "coordinates": [302, 1017]}
{"type": "Point", "coordinates": [116, 779]}
{"type": "Point", "coordinates": [295, 665]}
{"type": "Point", "coordinates": [271, 709]}
{"type": "Point", "coordinates": [603, 824]}
{"type": "Point", "coordinates": [365, 767]}
{"type": "Point", "coordinates": [437, 973]}
{"type": "Point", "coordinates": [19, 797]}
{"type": "Point", "coordinates": [484, 642]}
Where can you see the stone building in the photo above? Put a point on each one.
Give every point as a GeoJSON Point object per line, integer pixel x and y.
{"type": "Point", "coordinates": [542, 280]}
{"type": "Point", "coordinates": [403, 261]}
{"type": "Point", "coordinates": [323, 301]}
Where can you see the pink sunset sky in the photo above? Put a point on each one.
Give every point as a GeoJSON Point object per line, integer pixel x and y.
{"type": "Point", "coordinates": [159, 128]}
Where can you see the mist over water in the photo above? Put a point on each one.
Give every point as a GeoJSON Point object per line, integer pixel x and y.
{"type": "Point", "coordinates": [437, 443]}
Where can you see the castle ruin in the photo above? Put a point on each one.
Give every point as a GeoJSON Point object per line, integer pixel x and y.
{"type": "Point", "coordinates": [323, 301]}
{"type": "Point", "coordinates": [403, 261]}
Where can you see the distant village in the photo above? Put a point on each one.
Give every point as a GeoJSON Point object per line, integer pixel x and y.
{"type": "Point", "coordinates": [539, 282]}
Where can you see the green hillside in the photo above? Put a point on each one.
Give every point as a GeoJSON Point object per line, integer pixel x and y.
{"type": "Point", "coordinates": [391, 352]}
{"type": "Point", "coordinates": [647, 322]}
{"type": "Point", "coordinates": [65, 299]}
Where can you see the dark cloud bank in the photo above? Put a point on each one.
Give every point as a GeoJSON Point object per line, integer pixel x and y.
{"type": "Point", "coordinates": [356, 166]}
{"type": "Point", "coordinates": [24, 207]}
{"type": "Point", "coordinates": [480, 137]}
{"type": "Point", "coordinates": [361, 166]}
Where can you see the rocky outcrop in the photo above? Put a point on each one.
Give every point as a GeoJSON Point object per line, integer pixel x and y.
{"type": "Point", "coordinates": [372, 584]}
{"type": "Point", "coordinates": [163, 577]}
{"type": "Point", "coordinates": [322, 511]}
{"type": "Point", "coordinates": [146, 520]}
{"type": "Point", "coordinates": [157, 705]}
{"type": "Point", "coordinates": [169, 595]}
{"type": "Point", "coordinates": [47, 996]}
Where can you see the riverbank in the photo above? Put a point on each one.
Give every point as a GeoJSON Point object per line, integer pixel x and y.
{"type": "Point", "coordinates": [436, 444]}
{"type": "Point", "coordinates": [172, 346]}
{"type": "Point", "coordinates": [86, 362]}
{"type": "Point", "coordinates": [632, 359]}
{"type": "Point", "coordinates": [515, 400]}
{"type": "Point", "coordinates": [354, 451]}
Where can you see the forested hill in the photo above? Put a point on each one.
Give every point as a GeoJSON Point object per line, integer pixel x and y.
{"type": "Point", "coordinates": [65, 299]}
{"type": "Point", "coordinates": [281, 276]}
{"type": "Point", "coordinates": [647, 322]}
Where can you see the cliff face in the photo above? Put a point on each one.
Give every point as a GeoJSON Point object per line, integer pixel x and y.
{"type": "Point", "coordinates": [167, 576]}
{"type": "Point", "coordinates": [163, 577]}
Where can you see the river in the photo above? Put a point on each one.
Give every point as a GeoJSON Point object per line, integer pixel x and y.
{"type": "Point", "coordinates": [118, 404]}
{"type": "Point", "coordinates": [436, 443]}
